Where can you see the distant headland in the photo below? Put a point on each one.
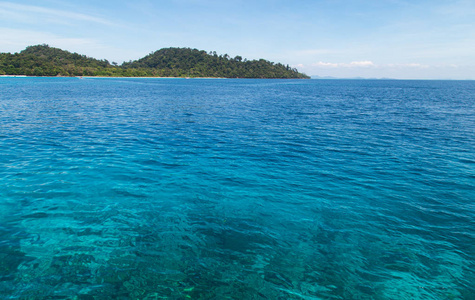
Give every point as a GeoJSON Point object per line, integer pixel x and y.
{"type": "Point", "coordinates": [43, 60]}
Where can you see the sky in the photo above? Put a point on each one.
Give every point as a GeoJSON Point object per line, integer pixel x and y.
{"type": "Point", "coordinates": [413, 39]}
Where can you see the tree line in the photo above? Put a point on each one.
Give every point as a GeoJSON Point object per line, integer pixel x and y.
{"type": "Point", "coordinates": [43, 60]}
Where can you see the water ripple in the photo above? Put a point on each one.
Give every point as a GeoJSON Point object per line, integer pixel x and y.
{"type": "Point", "coordinates": [240, 189]}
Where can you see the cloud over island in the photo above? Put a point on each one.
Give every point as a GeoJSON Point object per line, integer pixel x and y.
{"type": "Point", "coordinates": [30, 13]}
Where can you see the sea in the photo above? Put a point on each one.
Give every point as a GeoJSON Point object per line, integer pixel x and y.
{"type": "Point", "coordinates": [148, 188]}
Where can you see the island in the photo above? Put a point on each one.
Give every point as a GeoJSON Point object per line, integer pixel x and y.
{"type": "Point", "coordinates": [43, 60]}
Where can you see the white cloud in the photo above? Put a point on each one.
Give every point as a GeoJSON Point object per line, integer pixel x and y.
{"type": "Point", "coordinates": [365, 63]}
{"type": "Point", "coordinates": [354, 64]}
{"type": "Point", "coordinates": [368, 69]}
{"type": "Point", "coordinates": [24, 13]}
{"type": "Point", "coordinates": [17, 38]}
{"type": "Point", "coordinates": [325, 65]}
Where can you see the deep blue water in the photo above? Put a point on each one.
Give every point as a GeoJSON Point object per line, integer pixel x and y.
{"type": "Point", "coordinates": [236, 189]}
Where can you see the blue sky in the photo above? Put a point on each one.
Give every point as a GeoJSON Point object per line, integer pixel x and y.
{"type": "Point", "coordinates": [416, 39]}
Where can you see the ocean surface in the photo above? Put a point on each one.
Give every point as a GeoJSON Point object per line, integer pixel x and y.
{"type": "Point", "coordinates": [236, 189]}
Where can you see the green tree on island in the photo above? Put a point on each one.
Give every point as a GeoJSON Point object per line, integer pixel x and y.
{"type": "Point", "coordinates": [43, 60]}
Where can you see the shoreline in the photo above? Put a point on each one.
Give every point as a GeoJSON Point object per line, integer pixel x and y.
{"type": "Point", "coordinates": [145, 77]}
{"type": "Point", "coordinates": [138, 77]}
{"type": "Point", "coordinates": [89, 77]}
{"type": "Point", "coordinates": [354, 79]}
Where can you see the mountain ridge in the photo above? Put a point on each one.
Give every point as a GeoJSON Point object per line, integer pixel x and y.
{"type": "Point", "coordinates": [43, 60]}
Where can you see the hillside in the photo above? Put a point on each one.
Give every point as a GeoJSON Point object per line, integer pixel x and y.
{"type": "Point", "coordinates": [43, 60]}
{"type": "Point", "coordinates": [195, 63]}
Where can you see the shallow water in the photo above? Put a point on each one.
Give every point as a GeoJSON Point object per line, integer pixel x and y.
{"type": "Point", "coordinates": [238, 189]}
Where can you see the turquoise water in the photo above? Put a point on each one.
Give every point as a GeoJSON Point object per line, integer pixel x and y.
{"type": "Point", "coordinates": [236, 189]}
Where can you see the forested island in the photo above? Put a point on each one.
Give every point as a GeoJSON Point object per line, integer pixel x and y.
{"type": "Point", "coordinates": [43, 60]}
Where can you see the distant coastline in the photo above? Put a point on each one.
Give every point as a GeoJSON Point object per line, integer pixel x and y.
{"type": "Point", "coordinates": [43, 60]}
{"type": "Point", "coordinates": [316, 77]}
